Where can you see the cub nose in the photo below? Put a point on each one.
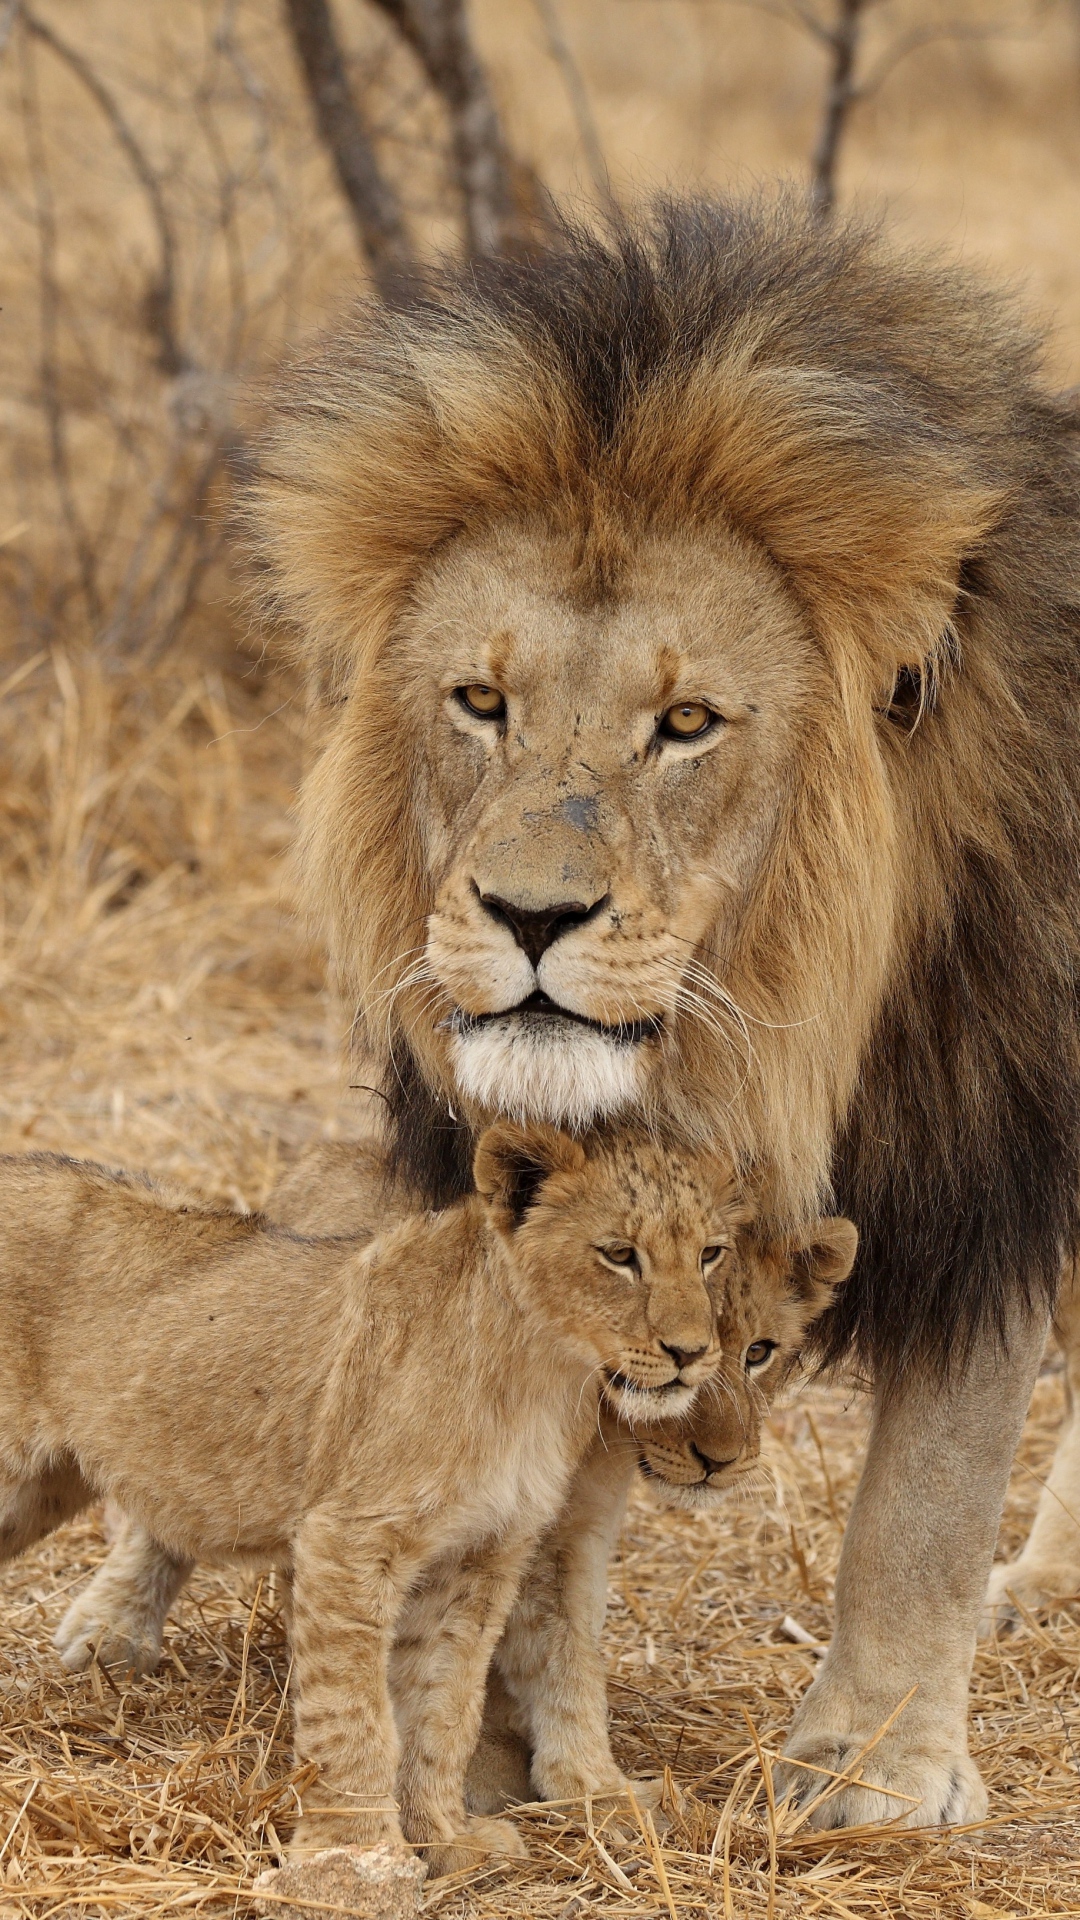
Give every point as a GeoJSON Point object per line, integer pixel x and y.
{"type": "Point", "coordinates": [537, 928]}
{"type": "Point", "coordinates": [714, 1466]}
{"type": "Point", "coordinates": [684, 1356]}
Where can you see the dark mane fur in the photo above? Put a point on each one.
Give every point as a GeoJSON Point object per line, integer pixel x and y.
{"type": "Point", "coordinates": [959, 1158]}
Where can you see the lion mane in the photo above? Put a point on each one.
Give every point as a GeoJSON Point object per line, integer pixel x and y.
{"type": "Point", "coordinates": [876, 424]}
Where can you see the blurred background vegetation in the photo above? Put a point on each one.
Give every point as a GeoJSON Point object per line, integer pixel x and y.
{"type": "Point", "coordinates": [187, 188]}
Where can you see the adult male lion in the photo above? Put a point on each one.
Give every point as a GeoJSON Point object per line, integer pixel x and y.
{"type": "Point", "coordinates": [702, 607]}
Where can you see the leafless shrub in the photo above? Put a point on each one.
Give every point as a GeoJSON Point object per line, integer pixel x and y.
{"type": "Point", "coordinates": [852, 78]}
{"type": "Point", "coordinates": [145, 323]}
{"type": "Point", "coordinates": [163, 252]}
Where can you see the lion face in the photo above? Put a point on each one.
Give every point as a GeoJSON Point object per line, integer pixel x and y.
{"type": "Point", "coordinates": [682, 515]}
{"type": "Point", "coordinates": [604, 781]}
{"type": "Point", "coordinates": [624, 1250]}
{"type": "Point", "coordinates": [771, 1297]}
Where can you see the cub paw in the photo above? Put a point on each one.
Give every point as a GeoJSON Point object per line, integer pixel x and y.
{"type": "Point", "coordinates": [579, 1783]}
{"type": "Point", "coordinates": [125, 1638]}
{"type": "Point", "coordinates": [664, 1803]}
{"type": "Point", "coordinates": [318, 1832]}
{"type": "Point", "coordinates": [607, 1789]}
{"type": "Point", "coordinates": [895, 1784]}
{"type": "Point", "coordinates": [610, 1800]}
{"type": "Point", "coordinates": [479, 1842]}
{"type": "Point", "coordinates": [1037, 1588]}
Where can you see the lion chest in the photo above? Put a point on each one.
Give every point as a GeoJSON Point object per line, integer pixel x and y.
{"type": "Point", "coordinates": [511, 1476]}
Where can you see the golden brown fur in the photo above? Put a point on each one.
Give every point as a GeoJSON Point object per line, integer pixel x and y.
{"type": "Point", "coordinates": [735, 462]}
{"type": "Point", "coordinates": [800, 475]}
{"type": "Point", "coordinates": [549, 1668]}
{"type": "Point", "coordinates": [545, 1726]}
{"type": "Point", "coordinates": [1047, 1571]}
{"type": "Point", "coordinates": [398, 1421]}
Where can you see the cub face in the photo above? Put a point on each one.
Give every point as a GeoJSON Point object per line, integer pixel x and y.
{"type": "Point", "coordinates": [626, 1249]}
{"type": "Point", "coordinates": [774, 1294]}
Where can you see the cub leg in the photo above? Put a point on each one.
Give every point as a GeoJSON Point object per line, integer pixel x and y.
{"type": "Point", "coordinates": [121, 1614]}
{"type": "Point", "coordinates": [912, 1575]}
{"type": "Point", "coordinates": [1048, 1569]}
{"type": "Point", "coordinates": [32, 1507]}
{"type": "Point", "coordinates": [349, 1583]}
{"type": "Point", "coordinates": [451, 1629]}
{"type": "Point", "coordinates": [550, 1658]}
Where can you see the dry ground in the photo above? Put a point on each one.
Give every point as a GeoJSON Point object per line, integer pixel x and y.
{"type": "Point", "coordinates": [172, 1015]}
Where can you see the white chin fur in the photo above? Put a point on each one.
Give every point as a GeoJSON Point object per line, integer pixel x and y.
{"type": "Point", "coordinates": [693, 1498]}
{"type": "Point", "coordinates": [641, 1408]}
{"type": "Point", "coordinates": [553, 1071]}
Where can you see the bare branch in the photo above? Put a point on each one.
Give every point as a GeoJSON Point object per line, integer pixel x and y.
{"type": "Point", "coordinates": [588, 133]}
{"type": "Point", "coordinates": [438, 32]}
{"type": "Point", "coordinates": [801, 16]}
{"type": "Point", "coordinates": [160, 303]}
{"type": "Point", "coordinates": [919, 37]}
{"type": "Point", "coordinates": [55, 412]}
{"type": "Point", "coordinates": [840, 97]}
{"type": "Point", "coordinates": [372, 201]}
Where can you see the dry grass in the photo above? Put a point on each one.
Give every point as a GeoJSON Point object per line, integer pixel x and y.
{"type": "Point", "coordinates": [160, 1006]}
{"type": "Point", "coordinates": [169, 1794]}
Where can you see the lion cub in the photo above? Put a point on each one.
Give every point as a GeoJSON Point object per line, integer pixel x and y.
{"type": "Point", "coordinates": [397, 1421]}
{"type": "Point", "coordinates": [548, 1684]}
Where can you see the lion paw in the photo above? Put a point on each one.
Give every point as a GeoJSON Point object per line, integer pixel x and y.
{"type": "Point", "coordinates": [480, 1841]}
{"type": "Point", "coordinates": [1037, 1588]}
{"type": "Point", "coordinates": [318, 1832]}
{"type": "Point", "coordinates": [122, 1637]}
{"type": "Point", "coordinates": [613, 1798]}
{"type": "Point", "coordinates": [896, 1783]}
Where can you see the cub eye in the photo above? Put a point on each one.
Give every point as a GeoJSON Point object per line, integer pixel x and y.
{"type": "Point", "coordinates": [623, 1257]}
{"type": "Point", "coordinates": [688, 721]}
{"type": "Point", "coordinates": [486, 703]}
{"type": "Point", "coordinates": [758, 1352]}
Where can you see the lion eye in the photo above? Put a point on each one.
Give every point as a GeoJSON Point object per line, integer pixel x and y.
{"type": "Point", "coordinates": [486, 702]}
{"type": "Point", "coordinates": [688, 721]}
{"type": "Point", "coordinates": [620, 1256]}
{"type": "Point", "coordinates": [711, 1254]}
{"type": "Point", "coordinates": [758, 1352]}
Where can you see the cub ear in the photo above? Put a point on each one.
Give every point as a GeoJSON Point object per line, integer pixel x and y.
{"type": "Point", "coordinates": [512, 1162]}
{"type": "Point", "coordinates": [822, 1259]}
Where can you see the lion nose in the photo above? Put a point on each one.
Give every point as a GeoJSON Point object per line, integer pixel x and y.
{"type": "Point", "coordinates": [710, 1465]}
{"type": "Point", "coordinates": [537, 928]}
{"type": "Point", "coordinates": [684, 1356]}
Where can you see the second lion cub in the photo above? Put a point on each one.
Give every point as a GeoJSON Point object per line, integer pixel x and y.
{"type": "Point", "coordinates": [399, 1422]}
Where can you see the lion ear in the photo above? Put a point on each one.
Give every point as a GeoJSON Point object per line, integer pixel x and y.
{"type": "Point", "coordinates": [512, 1163]}
{"type": "Point", "coordinates": [821, 1260]}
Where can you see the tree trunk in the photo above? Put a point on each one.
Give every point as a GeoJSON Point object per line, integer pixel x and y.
{"type": "Point", "coordinates": [438, 32]}
{"type": "Point", "coordinates": [372, 200]}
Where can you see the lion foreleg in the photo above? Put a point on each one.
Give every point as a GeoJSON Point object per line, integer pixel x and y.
{"type": "Point", "coordinates": [912, 1575]}
{"type": "Point", "coordinates": [550, 1658]}
{"type": "Point", "coordinates": [1048, 1569]}
{"type": "Point", "coordinates": [456, 1625]}
{"type": "Point", "coordinates": [121, 1615]}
